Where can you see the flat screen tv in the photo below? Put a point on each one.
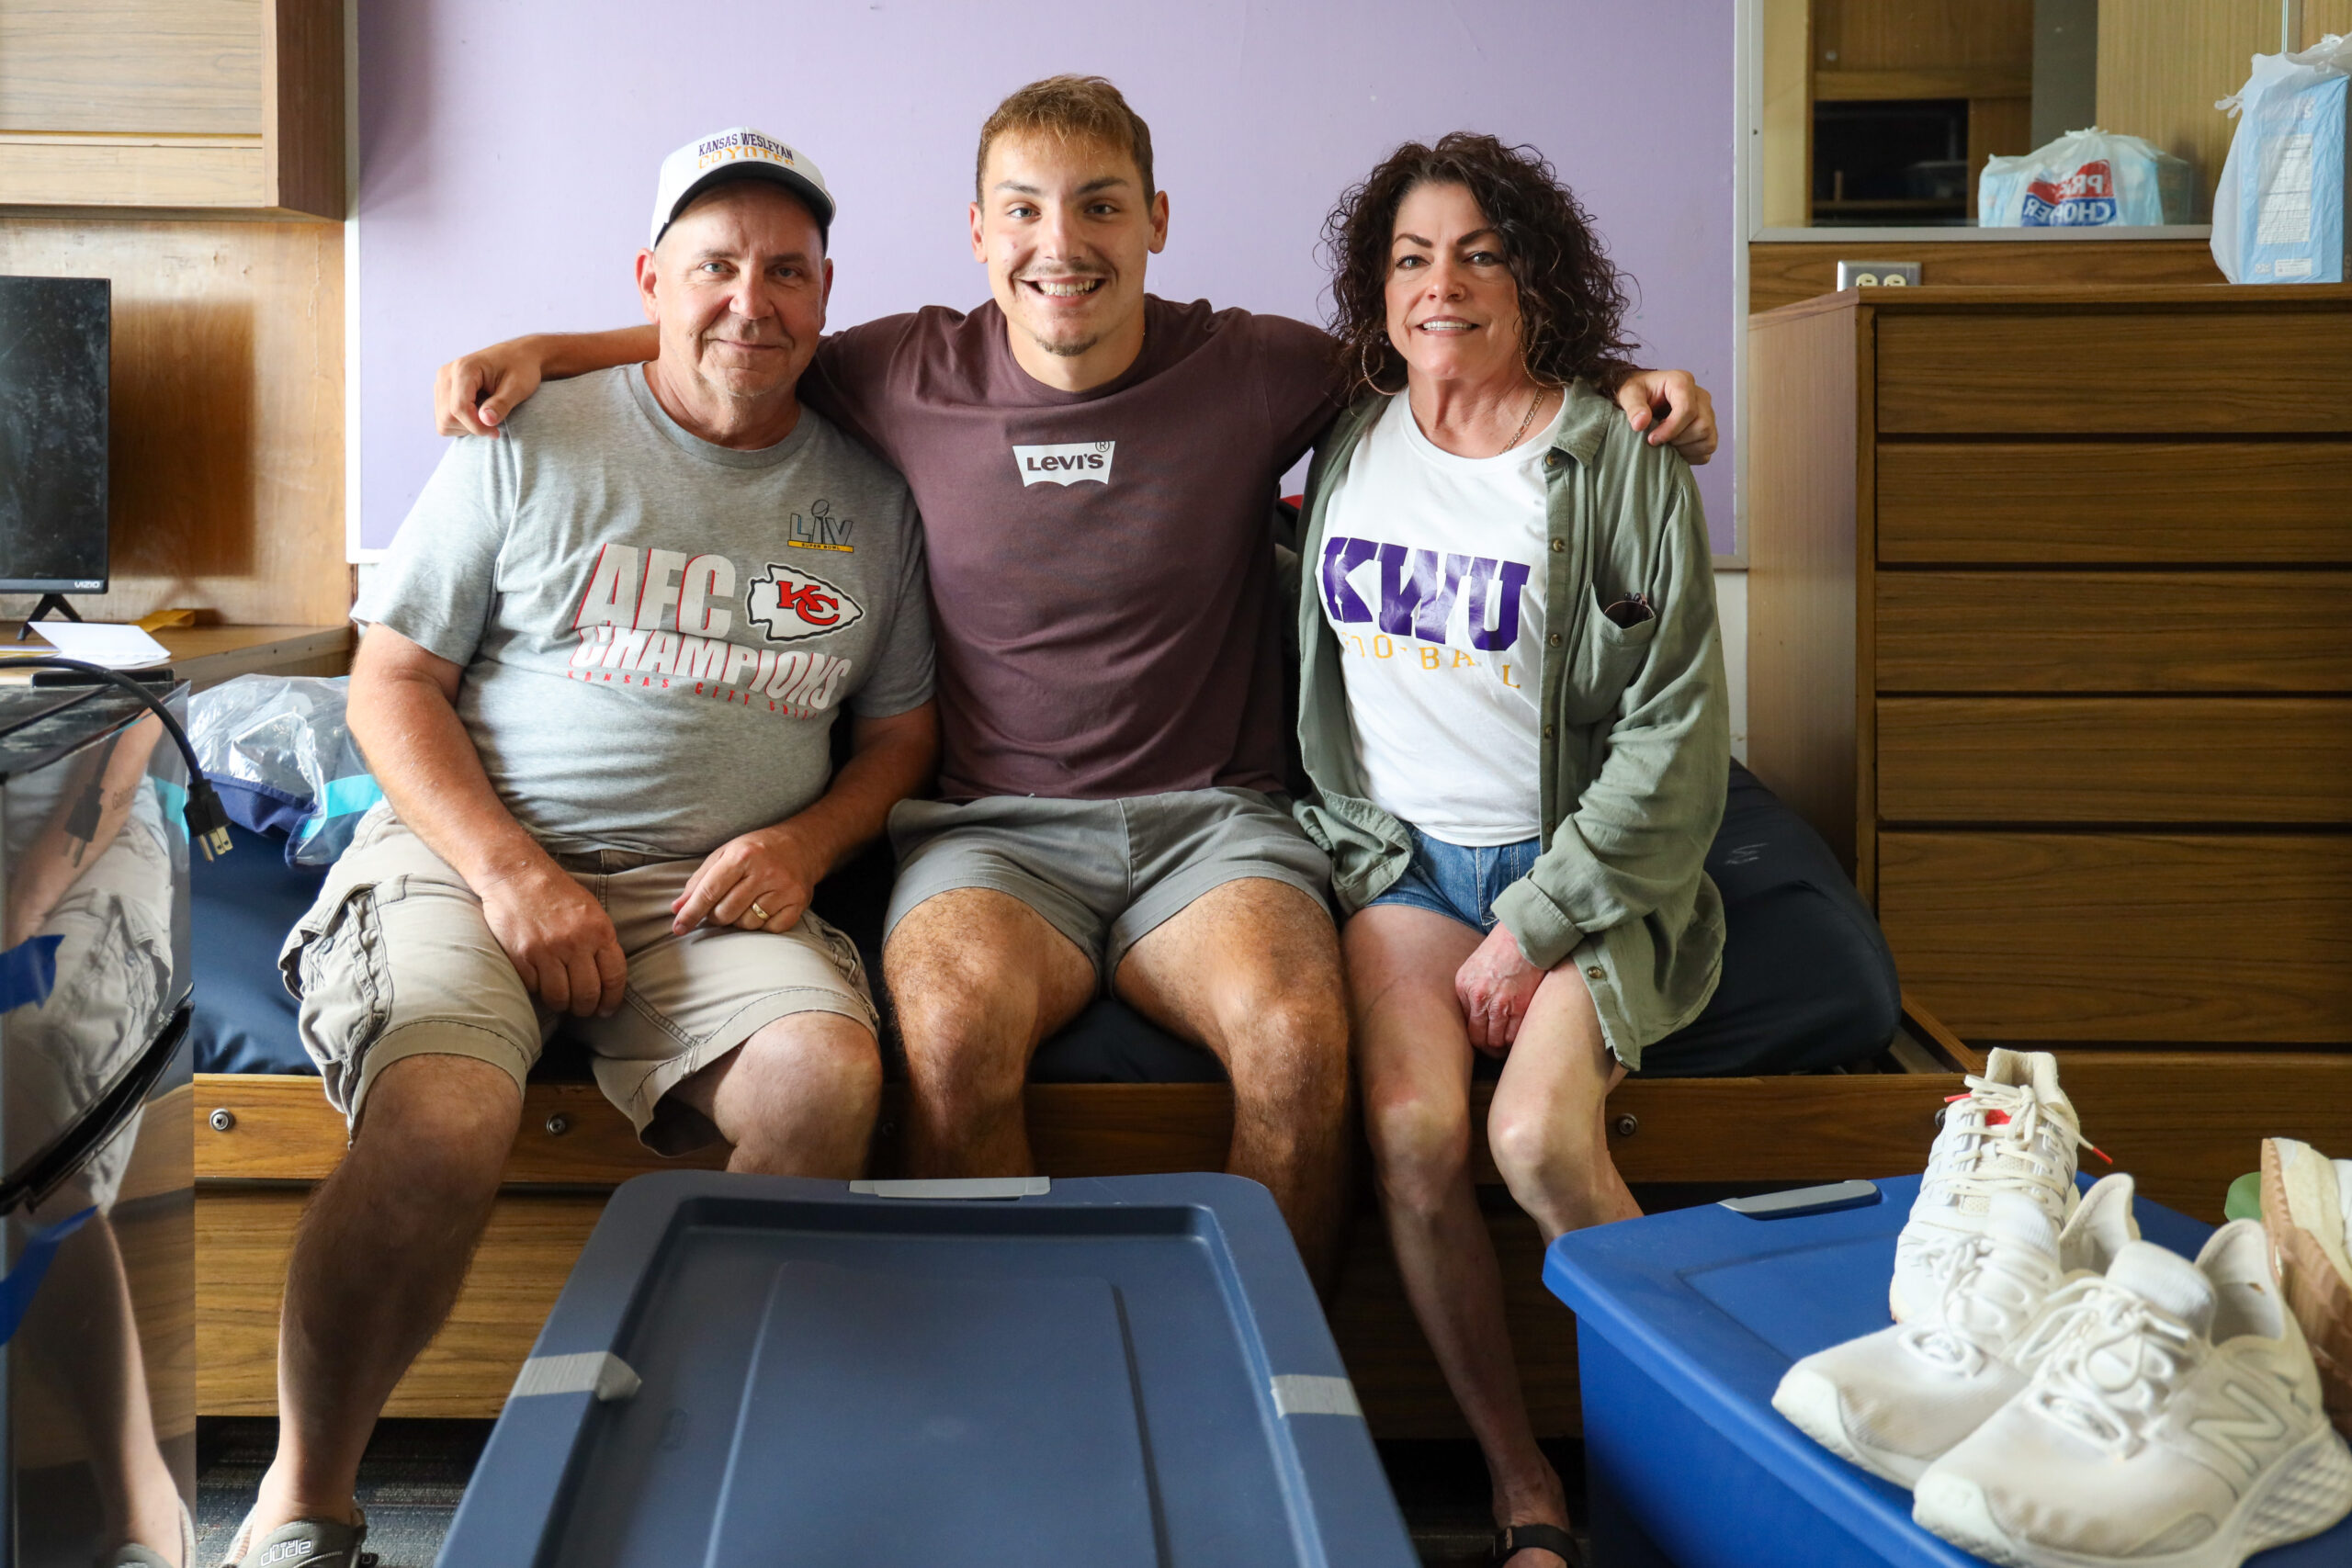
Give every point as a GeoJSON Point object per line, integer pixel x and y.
{"type": "Point", "coordinates": [54, 334]}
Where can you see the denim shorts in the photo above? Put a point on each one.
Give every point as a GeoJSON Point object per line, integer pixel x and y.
{"type": "Point", "coordinates": [1460, 882]}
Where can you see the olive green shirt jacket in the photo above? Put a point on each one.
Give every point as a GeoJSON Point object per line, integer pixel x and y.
{"type": "Point", "coordinates": [1636, 729]}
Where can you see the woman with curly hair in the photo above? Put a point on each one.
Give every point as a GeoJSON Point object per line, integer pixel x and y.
{"type": "Point", "coordinates": [1513, 712]}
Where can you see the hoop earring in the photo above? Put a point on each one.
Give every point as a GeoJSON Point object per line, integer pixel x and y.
{"type": "Point", "coordinates": [1363, 367]}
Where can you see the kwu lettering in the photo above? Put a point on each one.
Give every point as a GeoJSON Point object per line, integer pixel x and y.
{"type": "Point", "coordinates": [1418, 588]}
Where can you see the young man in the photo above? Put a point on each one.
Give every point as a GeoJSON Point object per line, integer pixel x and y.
{"type": "Point", "coordinates": [1096, 469]}
{"type": "Point", "coordinates": [597, 686]}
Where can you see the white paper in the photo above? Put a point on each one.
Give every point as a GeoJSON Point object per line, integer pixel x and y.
{"type": "Point", "coordinates": [94, 642]}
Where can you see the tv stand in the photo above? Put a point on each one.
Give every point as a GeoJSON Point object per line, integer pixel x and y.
{"type": "Point", "coordinates": [48, 602]}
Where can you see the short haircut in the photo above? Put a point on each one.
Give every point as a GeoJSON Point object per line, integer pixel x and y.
{"type": "Point", "coordinates": [1070, 108]}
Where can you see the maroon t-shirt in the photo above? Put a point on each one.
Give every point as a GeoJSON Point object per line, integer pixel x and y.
{"type": "Point", "coordinates": [1102, 562]}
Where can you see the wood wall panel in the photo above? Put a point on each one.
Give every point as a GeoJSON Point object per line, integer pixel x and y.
{"type": "Point", "coordinates": [1784, 272]}
{"type": "Point", "coordinates": [227, 477]}
{"type": "Point", "coordinates": [2145, 760]}
{"type": "Point", "coordinates": [2114, 631]}
{"type": "Point", "coordinates": [1802, 594]}
{"type": "Point", "coordinates": [188, 67]}
{"type": "Point", "coordinates": [2163, 63]}
{"type": "Point", "coordinates": [2115, 373]}
{"type": "Point", "coordinates": [2131, 937]}
{"type": "Point", "coordinates": [2115, 502]}
{"type": "Point", "coordinates": [1871, 35]}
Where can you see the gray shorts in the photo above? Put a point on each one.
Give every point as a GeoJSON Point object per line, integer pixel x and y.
{"type": "Point", "coordinates": [1103, 872]}
{"type": "Point", "coordinates": [396, 959]}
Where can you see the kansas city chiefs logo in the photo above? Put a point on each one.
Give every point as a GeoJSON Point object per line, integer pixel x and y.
{"type": "Point", "coordinates": [792, 605]}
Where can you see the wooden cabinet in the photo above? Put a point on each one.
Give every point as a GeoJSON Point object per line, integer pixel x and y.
{"type": "Point", "coordinates": [197, 105]}
{"type": "Point", "coordinates": [2051, 633]}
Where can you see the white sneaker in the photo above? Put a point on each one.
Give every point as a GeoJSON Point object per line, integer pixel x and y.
{"type": "Point", "coordinates": [2173, 1423]}
{"type": "Point", "coordinates": [1895, 1401]}
{"type": "Point", "coordinates": [2307, 1209]}
{"type": "Point", "coordinates": [2013, 1131]}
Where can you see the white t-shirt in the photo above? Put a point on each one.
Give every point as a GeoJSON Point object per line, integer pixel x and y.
{"type": "Point", "coordinates": [1432, 577]}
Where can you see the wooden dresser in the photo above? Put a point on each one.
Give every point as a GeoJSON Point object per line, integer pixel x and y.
{"type": "Point", "coordinates": [2051, 632]}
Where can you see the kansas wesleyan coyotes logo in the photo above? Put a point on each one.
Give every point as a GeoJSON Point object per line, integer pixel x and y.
{"type": "Point", "coordinates": [792, 605]}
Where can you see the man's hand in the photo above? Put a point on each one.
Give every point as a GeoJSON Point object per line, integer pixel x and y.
{"type": "Point", "coordinates": [559, 940]}
{"type": "Point", "coordinates": [777, 868]}
{"type": "Point", "coordinates": [1680, 408]}
{"type": "Point", "coordinates": [475, 391]}
{"type": "Point", "coordinates": [1495, 986]}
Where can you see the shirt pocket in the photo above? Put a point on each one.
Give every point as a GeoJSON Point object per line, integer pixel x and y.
{"type": "Point", "coordinates": [1608, 658]}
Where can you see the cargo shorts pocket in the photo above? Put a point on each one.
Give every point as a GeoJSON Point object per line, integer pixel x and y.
{"type": "Point", "coordinates": [335, 966]}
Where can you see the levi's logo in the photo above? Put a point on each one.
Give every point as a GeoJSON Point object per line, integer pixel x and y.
{"type": "Point", "coordinates": [1066, 464]}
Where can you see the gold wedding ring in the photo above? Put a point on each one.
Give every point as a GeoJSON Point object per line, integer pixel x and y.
{"type": "Point", "coordinates": [759, 914]}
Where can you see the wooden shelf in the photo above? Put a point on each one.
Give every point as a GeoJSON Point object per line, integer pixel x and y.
{"type": "Point", "coordinates": [204, 106]}
{"type": "Point", "coordinates": [206, 656]}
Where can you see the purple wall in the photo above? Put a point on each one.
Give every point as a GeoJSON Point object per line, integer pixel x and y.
{"type": "Point", "coordinates": [508, 153]}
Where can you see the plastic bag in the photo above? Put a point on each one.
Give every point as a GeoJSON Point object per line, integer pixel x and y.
{"type": "Point", "coordinates": [2085, 179]}
{"type": "Point", "coordinates": [2279, 209]}
{"type": "Point", "coordinates": [277, 749]}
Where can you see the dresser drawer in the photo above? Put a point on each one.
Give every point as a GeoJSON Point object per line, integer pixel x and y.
{"type": "Point", "coordinates": [2115, 373]}
{"type": "Point", "coordinates": [2270, 760]}
{"type": "Point", "coordinates": [2164, 938]}
{"type": "Point", "coordinates": [2114, 631]}
{"type": "Point", "coordinates": [2109, 502]}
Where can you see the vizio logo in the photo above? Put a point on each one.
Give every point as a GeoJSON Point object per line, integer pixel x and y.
{"type": "Point", "coordinates": [1066, 464]}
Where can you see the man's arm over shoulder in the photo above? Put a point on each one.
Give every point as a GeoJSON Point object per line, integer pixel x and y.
{"type": "Point", "coordinates": [1299, 379]}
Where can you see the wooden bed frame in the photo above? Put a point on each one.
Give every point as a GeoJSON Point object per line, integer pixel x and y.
{"type": "Point", "coordinates": [2186, 1128]}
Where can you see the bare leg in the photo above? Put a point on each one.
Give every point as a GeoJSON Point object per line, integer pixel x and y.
{"type": "Point", "coordinates": [1546, 1126]}
{"type": "Point", "coordinates": [1251, 970]}
{"type": "Point", "coordinates": [382, 1251]}
{"type": "Point", "coordinates": [1416, 1058]}
{"type": "Point", "coordinates": [798, 1099]}
{"type": "Point", "coordinates": [979, 980]}
{"type": "Point", "coordinates": [82, 1330]}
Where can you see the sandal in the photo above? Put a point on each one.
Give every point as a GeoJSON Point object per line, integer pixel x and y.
{"type": "Point", "coordinates": [328, 1544]}
{"type": "Point", "coordinates": [1513, 1539]}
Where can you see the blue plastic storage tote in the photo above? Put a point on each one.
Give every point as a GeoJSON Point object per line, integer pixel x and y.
{"type": "Point", "coordinates": [750, 1370]}
{"type": "Point", "coordinates": [1685, 1322]}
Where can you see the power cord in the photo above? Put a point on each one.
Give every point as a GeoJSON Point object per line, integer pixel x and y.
{"type": "Point", "coordinates": [208, 821]}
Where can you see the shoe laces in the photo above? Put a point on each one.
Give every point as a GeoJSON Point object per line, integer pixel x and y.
{"type": "Point", "coordinates": [2000, 1136]}
{"type": "Point", "coordinates": [2114, 1367]}
{"type": "Point", "coordinates": [1994, 1290]}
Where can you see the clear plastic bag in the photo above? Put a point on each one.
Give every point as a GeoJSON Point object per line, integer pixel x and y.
{"type": "Point", "coordinates": [2279, 208]}
{"type": "Point", "coordinates": [279, 752]}
{"type": "Point", "coordinates": [2090, 178]}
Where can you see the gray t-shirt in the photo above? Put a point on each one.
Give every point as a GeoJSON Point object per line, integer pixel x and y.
{"type": "Point", "coordinates": [656, 631]}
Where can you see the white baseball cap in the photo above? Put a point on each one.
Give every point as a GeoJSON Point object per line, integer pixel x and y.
{"type": "Point", "coordinates": [732, 154]}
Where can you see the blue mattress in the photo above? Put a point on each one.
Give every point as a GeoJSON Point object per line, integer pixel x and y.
{"type": "Point", "coordinates": [1119, 1371]}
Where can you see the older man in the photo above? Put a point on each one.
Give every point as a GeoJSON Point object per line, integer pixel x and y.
{"type": "Point", "coordinates": [1097, 468]}
{"type": "Point", "coordinates": [599, 673]}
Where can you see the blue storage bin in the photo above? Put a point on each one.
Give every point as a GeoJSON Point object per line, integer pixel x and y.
{"type": "Point", "coordinates": [749, 1370]}
{"type": "Point", "coordinates": [1685, 1323]}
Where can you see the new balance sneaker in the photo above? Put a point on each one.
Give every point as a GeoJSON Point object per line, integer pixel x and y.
{"type": "Point", "coordinates": [2013, 1131]}
{"type": "Point", "coordinates": [1895, 1401]}
{"type": "Point", "coordinates": [2173, 1423]}
{"type": "Point", "coordinates": [2307, 1210]}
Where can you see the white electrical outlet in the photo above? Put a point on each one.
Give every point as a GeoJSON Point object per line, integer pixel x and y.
{"type": "Point", "coordinates": [1877, 275]}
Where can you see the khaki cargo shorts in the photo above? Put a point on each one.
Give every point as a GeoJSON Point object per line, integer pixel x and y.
{"type": "Point", "coordinates": [114, 964]}
{"type": "Point", "coordinates": [396, 959]}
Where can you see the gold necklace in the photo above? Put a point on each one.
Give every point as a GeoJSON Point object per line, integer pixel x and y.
{"type": "Point", "coordinates": [1525, 420]}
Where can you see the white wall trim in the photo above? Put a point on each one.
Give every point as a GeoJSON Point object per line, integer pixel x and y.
{"type": "Point", "coordinates": [352, 549]}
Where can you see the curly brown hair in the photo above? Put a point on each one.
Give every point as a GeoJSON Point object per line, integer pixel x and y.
{"type": "Point", "coordinates": [1572, 299]}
